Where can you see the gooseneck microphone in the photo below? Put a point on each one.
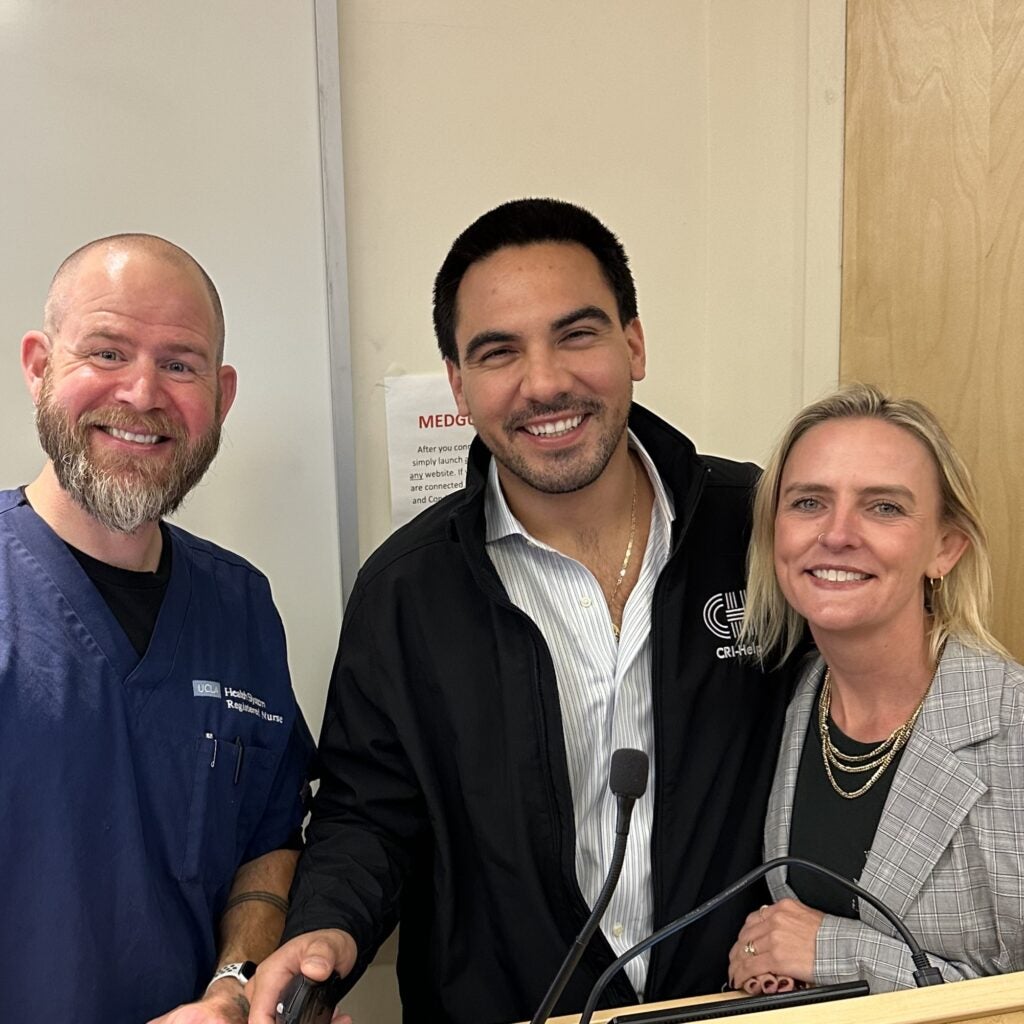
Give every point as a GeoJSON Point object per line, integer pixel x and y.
{"type": "Point", "coordinates": [627, 780]}
{"type": "Point", "coordinates": [924, 973]}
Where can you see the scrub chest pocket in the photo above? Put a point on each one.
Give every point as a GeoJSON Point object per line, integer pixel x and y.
{"type": "Point", "coordinates": [229, 786]}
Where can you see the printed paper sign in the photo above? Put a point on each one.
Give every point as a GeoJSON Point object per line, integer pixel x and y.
{"type": "Point", "coordinates": [427, 443]}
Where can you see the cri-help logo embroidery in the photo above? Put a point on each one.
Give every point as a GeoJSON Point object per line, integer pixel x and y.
{"type": "Point", "coordinates": [723, 615]}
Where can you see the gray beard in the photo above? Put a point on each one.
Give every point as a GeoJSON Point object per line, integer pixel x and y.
{"type": "Point", "coordinates": [122, 497]}
{"type": "Point", "coordinates": [118, 503]}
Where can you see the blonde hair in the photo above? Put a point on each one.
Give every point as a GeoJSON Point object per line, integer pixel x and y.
{"type": "Point", "coordinates": [959, 605]}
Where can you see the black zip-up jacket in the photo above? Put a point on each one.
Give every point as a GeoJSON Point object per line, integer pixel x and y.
{"type": "Point", "coordinates": [444, 796]}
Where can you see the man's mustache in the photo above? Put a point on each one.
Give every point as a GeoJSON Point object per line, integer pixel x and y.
{"type": "Point", "coordinates": [562, 405]}
{"type": "Point", "coordinates": [138, 423]}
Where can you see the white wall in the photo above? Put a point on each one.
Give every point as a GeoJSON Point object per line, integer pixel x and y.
{"type": "Point", "coordinates": [197, 121]}
{"type": "Point", "coordinates": [706, 133]}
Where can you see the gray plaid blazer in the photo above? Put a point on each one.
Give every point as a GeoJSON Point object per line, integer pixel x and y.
{"type": "Point", "coordinates": [948, 855]}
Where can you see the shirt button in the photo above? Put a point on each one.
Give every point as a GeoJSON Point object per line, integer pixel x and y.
{"type": "Point", "coordinates": [618, 929]}
{"type": "Point", "coordinates": [585, 602]}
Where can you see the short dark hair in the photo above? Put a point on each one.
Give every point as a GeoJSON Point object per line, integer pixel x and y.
{"type": "Point", "coordinates": [527, 222]}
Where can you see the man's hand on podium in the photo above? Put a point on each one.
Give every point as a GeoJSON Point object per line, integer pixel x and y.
{"type": "Point", "coordinates": [314, 954]}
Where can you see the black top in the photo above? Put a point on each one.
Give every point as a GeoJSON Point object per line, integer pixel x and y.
{"type": "Point", "coordinates": [134, 598]}
{"type": "Point", "coordinates": [828, 829]}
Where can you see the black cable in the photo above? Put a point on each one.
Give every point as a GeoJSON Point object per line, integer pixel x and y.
{"type": "Point", "coordinates": [925, 974]}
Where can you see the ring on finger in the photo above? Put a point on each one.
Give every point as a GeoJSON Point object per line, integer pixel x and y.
{"type": "Point", "coordinates": [750, 949]}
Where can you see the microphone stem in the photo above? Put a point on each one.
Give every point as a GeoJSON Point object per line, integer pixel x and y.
{"type": "Point", "coordinates": [587, 932]}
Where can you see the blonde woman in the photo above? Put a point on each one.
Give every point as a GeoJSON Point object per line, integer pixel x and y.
{"type": "Point", "coordinates": [902, 765]}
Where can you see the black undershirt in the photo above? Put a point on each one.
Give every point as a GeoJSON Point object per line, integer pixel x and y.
{"type": "Point", "coordinates": [134, 598]}
{"type": "Point", "coordinates": [828, 829]}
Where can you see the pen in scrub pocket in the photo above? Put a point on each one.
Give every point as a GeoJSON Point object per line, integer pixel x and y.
{"type": "Point", "coordinates": [238, 758]}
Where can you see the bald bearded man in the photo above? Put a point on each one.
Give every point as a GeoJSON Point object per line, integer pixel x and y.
{"type": "Point", "coordinates": [154, 757]}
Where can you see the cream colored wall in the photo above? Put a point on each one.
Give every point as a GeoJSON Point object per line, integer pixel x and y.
{"type": "Point", "coordinates": [707, 133]}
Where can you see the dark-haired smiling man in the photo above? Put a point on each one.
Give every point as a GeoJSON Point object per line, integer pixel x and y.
{"type": "Point", "coordinates": [153, 755]}
{"type": "Point", "coordinates": [572, 599]}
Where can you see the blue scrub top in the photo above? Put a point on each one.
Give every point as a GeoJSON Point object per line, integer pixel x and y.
{"type": "Point", "coordinates": [132, 789]}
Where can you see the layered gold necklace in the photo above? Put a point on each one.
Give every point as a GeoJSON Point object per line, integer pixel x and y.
{"type": "Point", "coordinates": [875, 760]}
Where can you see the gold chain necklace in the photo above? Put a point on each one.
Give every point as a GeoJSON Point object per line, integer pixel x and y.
{"type": "Point", "coordinates": [625, 559]}
{"type": "Point", "coordinates": [876, 760]}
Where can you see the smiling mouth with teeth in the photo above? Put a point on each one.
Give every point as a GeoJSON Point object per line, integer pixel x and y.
{"type": "Point", "coordinates": [553, 429]}
{"type": "Point", "coordinates": [127, 435]}
{"type": "Point", "coordinates": [839, 575]}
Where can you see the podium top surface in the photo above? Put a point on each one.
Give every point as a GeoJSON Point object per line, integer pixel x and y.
{"type": "Point", "coordinates": [995, 1000]}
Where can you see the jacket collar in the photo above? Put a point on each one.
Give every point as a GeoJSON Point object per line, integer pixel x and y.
{"type": "Point", "coordinates": [932, 791]}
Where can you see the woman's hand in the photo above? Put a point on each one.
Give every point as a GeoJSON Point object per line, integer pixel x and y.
{"type": "Point", "coordinates": [776, 943]}
{"type": "Point", "coordinates": [770, 984]}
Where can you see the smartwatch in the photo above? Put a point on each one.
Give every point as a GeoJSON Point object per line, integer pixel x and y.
{"type": "Point", "coordinates": [243, 972]}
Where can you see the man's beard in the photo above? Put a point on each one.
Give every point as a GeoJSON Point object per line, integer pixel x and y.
{"type": "Point", "coordinates": [121, 491]}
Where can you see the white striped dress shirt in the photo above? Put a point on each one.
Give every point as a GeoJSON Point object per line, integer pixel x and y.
{"type": "Point", "coordinates": [604, 690]}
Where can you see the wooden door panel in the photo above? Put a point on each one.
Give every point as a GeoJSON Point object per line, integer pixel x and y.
{"type": "Point", "coordinates": [933, 244]}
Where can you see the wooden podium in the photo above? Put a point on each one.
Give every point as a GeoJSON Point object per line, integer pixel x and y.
{"type": "Point", "coordinates": [995, 1000]}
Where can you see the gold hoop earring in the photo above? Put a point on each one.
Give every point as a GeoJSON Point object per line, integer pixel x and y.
{"type": "Point", "coordinates": [936, 584]}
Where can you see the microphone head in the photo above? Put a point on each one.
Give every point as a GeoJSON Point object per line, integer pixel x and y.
{"type": "Point", "coordinates": [628, 775]}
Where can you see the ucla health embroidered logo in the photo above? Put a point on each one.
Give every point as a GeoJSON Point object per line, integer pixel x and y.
{"type": "Point", "coordinates": [723, 615]}
{"type": "Point", "coordinates": [241, 701]}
